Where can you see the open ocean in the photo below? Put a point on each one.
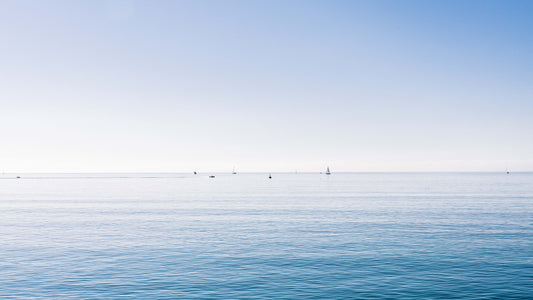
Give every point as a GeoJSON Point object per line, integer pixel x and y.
{"type": "Point", "coordinates": [296, 236]}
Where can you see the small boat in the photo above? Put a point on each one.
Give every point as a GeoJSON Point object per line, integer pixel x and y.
{"type": "Point", "coordinates": [211, 176]}
{"type": "Point", "coordinates": [507, 172]}
{"type": "Point", "coordinates": [269, 176]}
{"type": "Point", "coordinates": [233, 171]}
{"type": "Point", "coordinates": [327, 171]}
{"type": "Point", "coordinates": [195, 173]}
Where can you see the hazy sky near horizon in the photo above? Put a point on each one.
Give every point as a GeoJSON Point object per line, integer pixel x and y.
{"type": "Point", "coordinates": [95, 86]}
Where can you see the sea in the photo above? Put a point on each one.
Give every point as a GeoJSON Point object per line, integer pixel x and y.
{"type": "Point", "coordinates": [245, 236]}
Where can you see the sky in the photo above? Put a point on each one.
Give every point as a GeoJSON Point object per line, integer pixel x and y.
{"type": "Point", "coordinates": [182, 86]}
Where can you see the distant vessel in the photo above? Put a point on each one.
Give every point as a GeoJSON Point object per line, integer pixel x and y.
{"type": "Point", "coordinates": [507, 172]}
{"type": "Point", "coordinates": [233, 171]}
{"type": "Point", "coordinates": [327, 171]}
{"type": "Point", "coordinates": [211, 176]}
{"type": "Point", "coordinates": [269, 176]}
{"type": "Point", "coordinates": [195, 173]}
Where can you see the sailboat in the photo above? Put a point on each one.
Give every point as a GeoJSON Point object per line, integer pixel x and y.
{"type": "Point", "coordinates": [233, 171]}
{"type": "Point", "coordinates": [327, 171]}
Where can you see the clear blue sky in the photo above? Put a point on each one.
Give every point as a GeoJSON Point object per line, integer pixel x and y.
{"type": "Point", "coordinates": [266, 85]}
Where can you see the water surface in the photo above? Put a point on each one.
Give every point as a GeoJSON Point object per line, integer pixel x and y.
{"type": "Point", "coordinates": [296, 236]}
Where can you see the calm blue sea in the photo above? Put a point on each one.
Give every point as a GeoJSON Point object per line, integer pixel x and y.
{"type": "Point", "coordinates": [296, 236]}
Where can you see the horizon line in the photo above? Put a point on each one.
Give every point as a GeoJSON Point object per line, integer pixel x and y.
{"type": "Point", "coordinates": [244, 172]}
